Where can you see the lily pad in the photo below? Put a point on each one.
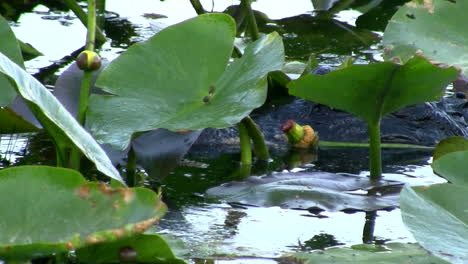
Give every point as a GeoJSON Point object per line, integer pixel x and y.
{"type": "Point", "coordinates": [326, 191]}
{"type": "Point", "coordinates": [59, 122]}
{"type": "Point", "coordinates": [452, 166]}
{"type": "Point", "coordinates": [143, 248]}
{"type": "Point", "coordinates": [438, 219]}
{"type": "Point", "coordinates": [178, 80]}
{"type": "Point", "coordinates": [374, 90]}
{"type": "Point", "coordinates": [57, 210]}
{"type": "Point", "coordinates": [432, 26]}
{"type": "Point", "coordinates": [369, 254]}
{"type": "Point", "coordinates": [10, 48]}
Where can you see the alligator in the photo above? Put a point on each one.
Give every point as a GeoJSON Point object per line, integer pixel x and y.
{"type": "Point", "coordinates": [421, 124]}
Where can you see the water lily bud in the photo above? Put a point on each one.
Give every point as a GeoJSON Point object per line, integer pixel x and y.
{"type": "Point", "coordinates": [300, 136]}
{"type": "Point", "coordinates": [88, 61]}
{"type": "Point", "coordinates": [128, 255]}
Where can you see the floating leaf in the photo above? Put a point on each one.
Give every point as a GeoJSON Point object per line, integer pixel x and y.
{"type": "Point", "coordinates": [369, 254]}
{"type": "Point", "coordinates": [61, 123]}
{"type": "Point", "coordinates": [146, 248]}
{"type": "Point", "coordinates": [432, 27]}
{"type": "Point", "coordinates": [374, 90]}
{"type": "Point", "coordinates": [327, 191]}
{"type": "Point", "coordinates": [438, 219]}
{"type": "Point", "coordinates": [10, 48]}
{"type": "Point", "coordinates": [182, 84]}
{"type": "Point", "coordinates": [57, 210]}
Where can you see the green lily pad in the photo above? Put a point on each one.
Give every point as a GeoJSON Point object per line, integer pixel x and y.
{"type": "Point", "coordinates": [432, 27]}
{"type": "Point", "coordinates": [370, 254]}
{"type": "Point", "coordinates": [438, 219]}
{"type": "Point", "coordinates": [452, 166]}
{"type": "Point", "coordinates": [179, 80]}
{"type": "Point", "coordinates": [144, 248]}
{"type": "Point", "coordinates": [48, 210]}
{"type": "Point", "coordinates": [448, 145]}
{"type": "Point", "coordinates": [374, 90]}
{"type": "Point", "coordinates": [54, 117]}
{"type": "Point", "coordinates": [326, 191]}
{"type": "Point", "coordinates": [10, 48]}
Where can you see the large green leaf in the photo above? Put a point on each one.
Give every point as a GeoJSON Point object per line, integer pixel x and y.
{"type": "Point", "coordinates": [143, 248]}
{"type": "Point", "coordinates": [432, 27]}
{"type": "Point", "coordinates": [178, 80]}
{"type": "Point", "coordinates": [54, 115]}
{"type": "Point", "coordinates": [374, 90]}
{"type": "Point", "coordinates": [8, 46]}
{"type": "Point", "coordinates": [370, 254]}
{"type": "Point", "coordinates": [438, 218]}
{"type": "Point", "coordinates": [47, 210]}
{"type": "Point", "coordinates": [452, 166]}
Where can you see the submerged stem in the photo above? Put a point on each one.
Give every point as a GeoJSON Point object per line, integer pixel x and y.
{"type": "Point", "coordinates": [374, 151]}
{"type": "Point", "coordinates": [258, 140]}
{"type": "Point", "coordinates": [246, 150]}
{"type": "Point", "coordinates": [131, 168]}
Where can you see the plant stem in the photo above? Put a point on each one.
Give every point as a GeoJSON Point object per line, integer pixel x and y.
{"type": "Point", "coordinates": [246, 150]}
{"type": "Point", "coordinates": [374, 151]}
{"type": "Point", "coordinates": [369, 227]}
{"type": "Point", "coordinates": [131, 168]}
{"type": "Point", "coordinates": [258, 140]}
{"type": "Point", "coordinates": [246, 5]}
{"type": "Point", "coordinates": [86, 82]}
{"type": "Point", "coordinates": [198, 7]}
{"type": "Point", "coordinates": [83, 18]}
{"type": "Point", "coordinates": [101, 8]}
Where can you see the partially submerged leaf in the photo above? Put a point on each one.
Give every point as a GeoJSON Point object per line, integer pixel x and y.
{"type": "Point", "coordinates": [148, 249]}
{"type": "Point", "coordinates": [448, 145]}
{"type": "Point", "coordinates": [370, 254]}
{"type": "Point", "coordinates": [437, 217]}
{"type": "Point", "coordinates": [62, 123]}
{"type": "Point", "coordinates": [10, 48]}
{"type": "Point", "coordinates": [182, 84]}
{"type": "Point", "coordinates": [327, 191]}
{"type": "Point", "coordinates": [374, 90]}
{"type": "Point", "coordinates": [57, 210]}
{"type": "Point", "coordinates": [432, 27]}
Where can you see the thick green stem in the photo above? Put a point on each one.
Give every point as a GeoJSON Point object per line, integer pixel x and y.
{"type": "Point", "coordinates": [258, 140]}
{"type": "Point", "coordinates": [246, 150]}
{"type": "Point", "coordinates": [252, 23]}
{"type": "Point", "coordinates": [11, 261]}
{"type": "Point", "coordinates": [83, 18]}
{"type": "Point", "coordinates": [198, 7]}
{"type": "Point", "coordinates": [86, 82]}
{"type": "Point", "coordinates": [131, 168]}
{"type": "Point", "coordinates": [374, 151]}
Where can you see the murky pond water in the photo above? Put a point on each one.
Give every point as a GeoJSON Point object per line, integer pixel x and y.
{"type": "Point", "coordinates": [212, 226]}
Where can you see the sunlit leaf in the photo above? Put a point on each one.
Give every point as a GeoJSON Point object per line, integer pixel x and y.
{"type": "Point", "coordinates": [179, 80]}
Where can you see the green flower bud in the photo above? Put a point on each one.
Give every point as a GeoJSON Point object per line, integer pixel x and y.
{"type": "Point", "coordinates": [88, 61]}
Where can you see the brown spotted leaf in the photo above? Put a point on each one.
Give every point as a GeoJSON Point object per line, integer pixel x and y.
{"type": "Point", "coordinates": [46, 210]}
